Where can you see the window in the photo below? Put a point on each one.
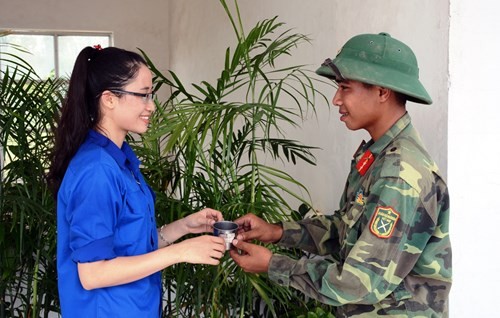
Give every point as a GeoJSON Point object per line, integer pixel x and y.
{"type": "Point", "coordinates": [51, 53]}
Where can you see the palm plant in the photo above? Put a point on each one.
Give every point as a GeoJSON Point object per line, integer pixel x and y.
{"type": "Point", "coordinates": [209, 146]}
{"type": "Point", "coordinates": [27, 222]}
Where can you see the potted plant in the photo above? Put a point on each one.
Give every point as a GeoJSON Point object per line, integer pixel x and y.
{"type": "Point", "coordinates": [28, 286]}
{"type": "Point", "coordinates": [210, 146]}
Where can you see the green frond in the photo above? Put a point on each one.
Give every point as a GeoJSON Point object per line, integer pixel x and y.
{"type": "Point", "coordinates": [224, 142]}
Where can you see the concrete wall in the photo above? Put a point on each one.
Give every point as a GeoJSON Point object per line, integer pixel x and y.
{"type": "Point", "coordinates": [458, 67]}
{"type": "Point", "coordinates": [135, 24]}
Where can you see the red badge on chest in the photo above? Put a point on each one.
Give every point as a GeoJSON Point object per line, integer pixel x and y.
{"type": "Point", "coordinates": [365, 162]}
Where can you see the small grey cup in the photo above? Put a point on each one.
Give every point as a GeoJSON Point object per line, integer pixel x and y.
{"type": "Point", "coordinates": [226, 230]}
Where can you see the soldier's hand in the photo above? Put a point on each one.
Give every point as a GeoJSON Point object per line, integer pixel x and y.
{"type": "Point", "coordinates": [251, 227]}
{"type": "Point", "coordinates": [252, 258]}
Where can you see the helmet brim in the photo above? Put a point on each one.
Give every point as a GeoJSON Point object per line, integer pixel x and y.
{"type": "Point", "coordinates": [379, 75]}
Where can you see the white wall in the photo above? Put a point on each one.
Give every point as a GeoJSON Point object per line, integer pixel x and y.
{"type": "Point", "coordinates": [474, 169]}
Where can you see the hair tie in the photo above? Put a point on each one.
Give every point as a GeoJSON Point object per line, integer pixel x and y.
{"type": "Point", "coordinates": [96, 48]}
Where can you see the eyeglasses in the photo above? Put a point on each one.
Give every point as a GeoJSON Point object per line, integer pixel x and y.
{"type": "Point", "coordinates": [146, 97]}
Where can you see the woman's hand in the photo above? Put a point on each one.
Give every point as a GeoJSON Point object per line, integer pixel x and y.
{"type": "Point", "coordinates": [202, 221]}
{"type": "Point", "coordinates": [199, 222]}
{"type": "Point", "coordinates": [205, 249]}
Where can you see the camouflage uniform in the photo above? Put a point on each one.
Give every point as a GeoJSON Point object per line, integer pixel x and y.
{"type": "Point", "coordinates": [387, 249]}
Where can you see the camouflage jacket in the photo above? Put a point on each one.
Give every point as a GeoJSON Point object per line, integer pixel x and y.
{"type": "Point", "coordinates": [387, 249]}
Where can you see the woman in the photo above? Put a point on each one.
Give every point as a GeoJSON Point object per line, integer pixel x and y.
{"type": "Point", "coordinates": [109, 250]}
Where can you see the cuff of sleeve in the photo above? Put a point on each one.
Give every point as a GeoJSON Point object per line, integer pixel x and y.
{"type": "Point", "coordinates": [280, 268]}
{"type": "Point", "coordinates": [292, 234]}
{"type": "Point", "coordinates": [95, 251]}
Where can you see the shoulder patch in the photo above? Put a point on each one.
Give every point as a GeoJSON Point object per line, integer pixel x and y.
{"type": "Point", "coordinates": [384, 221]}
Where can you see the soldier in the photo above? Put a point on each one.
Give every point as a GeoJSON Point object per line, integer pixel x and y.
{"type": "Point", "coordinates": [387, 249]}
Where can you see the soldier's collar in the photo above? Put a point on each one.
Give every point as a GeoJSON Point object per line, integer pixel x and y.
{"type": "Point", "coordinates": [367, 151]}
{"type": "Point", "coordinates": [376, 147]}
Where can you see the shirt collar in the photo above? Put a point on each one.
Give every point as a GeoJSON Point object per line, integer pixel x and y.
{"type": "Point", "coordinates": [377, 146]}
{"type": "Point", "coordinates": [125, 157]}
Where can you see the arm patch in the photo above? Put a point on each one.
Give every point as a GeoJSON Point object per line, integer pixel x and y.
{"type": "Point", "coordinates": [384, 222]}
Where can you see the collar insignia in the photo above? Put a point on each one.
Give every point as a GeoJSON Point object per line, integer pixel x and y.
{"type": "Point", "coordinates": [365, 162]}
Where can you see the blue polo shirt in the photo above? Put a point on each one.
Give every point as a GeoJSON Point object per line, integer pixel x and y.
{"type": "Point", "coordinates": [105, 210]}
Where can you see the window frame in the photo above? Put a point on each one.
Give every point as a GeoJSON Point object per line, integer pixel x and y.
{"type": "Point", "coordinates": [56, 34]}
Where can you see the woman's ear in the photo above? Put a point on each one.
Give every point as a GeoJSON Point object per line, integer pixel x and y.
{"type": "Point", "coordinates": [108, 100]}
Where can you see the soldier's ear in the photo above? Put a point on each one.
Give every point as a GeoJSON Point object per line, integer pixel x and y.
{"type": "Point", "coordinates": [384, 93]}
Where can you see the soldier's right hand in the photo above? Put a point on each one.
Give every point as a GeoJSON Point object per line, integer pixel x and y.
{"type": "Point", "coordinates": [251, 227]}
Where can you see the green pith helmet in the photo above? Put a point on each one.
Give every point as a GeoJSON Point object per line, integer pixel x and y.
{"type": "Point", "coordinates": [380, 60]}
